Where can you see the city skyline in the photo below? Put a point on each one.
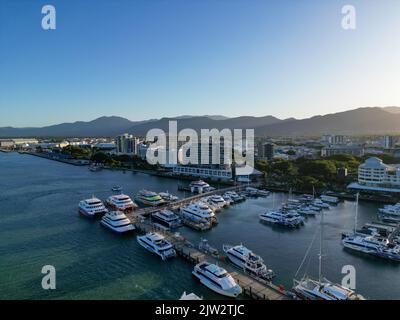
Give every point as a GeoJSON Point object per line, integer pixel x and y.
{"type": "Point", "coordinates": [157, 59]}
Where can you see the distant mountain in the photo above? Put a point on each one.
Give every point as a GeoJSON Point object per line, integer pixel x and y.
{"type": "Point", "coordinates": [354, 122]}
{"type": "Point", "coordinates": [360, 121]}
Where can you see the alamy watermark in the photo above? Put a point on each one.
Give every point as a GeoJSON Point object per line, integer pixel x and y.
{"type": "Point", "coordinates": [217, 147]}
{"type": "Point", "coordinates": [49, 280]}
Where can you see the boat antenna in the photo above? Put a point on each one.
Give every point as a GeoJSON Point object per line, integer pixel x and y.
{"type": "Point", "coordinates": [356, 215]}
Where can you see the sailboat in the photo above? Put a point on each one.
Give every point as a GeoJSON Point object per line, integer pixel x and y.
{"type": "Point", "coordinates": [322, 289]}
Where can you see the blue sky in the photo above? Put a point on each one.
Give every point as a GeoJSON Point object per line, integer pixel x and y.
{"type": "Point", "coordinates": [145, 59]}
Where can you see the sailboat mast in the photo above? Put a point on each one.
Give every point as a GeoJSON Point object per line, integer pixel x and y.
{"type": "Point", "coordinates": [320, 247]}
{"type": "Point", "coordinates": [356, 215]}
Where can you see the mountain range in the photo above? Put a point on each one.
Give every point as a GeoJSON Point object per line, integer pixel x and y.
{"type": "Point", "coordinates": [361, 121]}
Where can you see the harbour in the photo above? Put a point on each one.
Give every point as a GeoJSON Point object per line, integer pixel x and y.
{"type": "Point", "coordinates": [46, 229]}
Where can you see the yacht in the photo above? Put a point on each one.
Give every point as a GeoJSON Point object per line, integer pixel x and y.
{"type": "Point", "coordinates": [320, 204]}
{"type": "Point", "coordinates": [287, 219]}
{"type": "Point", "coordinates": [156, 243]}
{"type": "Point", "coordinates": [252, 192]}
{"type": "Point", "coordinates": [198, 212]}
{"type": "Point", "coordinates": [121, 202]}
{"type": "Point", "coordinates": [391, 209]}
{"type": "Point", "coordinates": [216, 279]}
{"type": "Point", "coordinates": [329, 199]}
{"type": "Point", "coordinates": [117, 221]}
{"type": "Point", "coordinates": [92, 207]}
{"type": "Point", "coordinates": [199, 186]}
{"type": "Point", "coordinates": [149, 198]}
{"type": "Point", "coordinates": [234, 196]}
{"type": "Point", "coordinates": [321, 289]}
{"type": "Point", "coordinates": [166, 196]}
{"type": "Point", "coordinates": [307, 210]}
{"type": "Point", "coordinates": [217, 201]}
{"type": "Point", "coordinates": [116, 189]}
{"type": "Point", "coordinates": [167, 218]}
{"type": "Point", "coordinates": [263, 193]}
{"type": "Point", "coordinates": [310, 289]}
{"type": "Point", "coordinates": [249, 262]}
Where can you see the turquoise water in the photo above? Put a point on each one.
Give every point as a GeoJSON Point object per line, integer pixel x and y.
{"type": "Point", "coordinates": [39, 225]}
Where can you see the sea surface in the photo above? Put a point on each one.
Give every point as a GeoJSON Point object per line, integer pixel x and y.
{"type": "Point", "coordinates": [40, 225]}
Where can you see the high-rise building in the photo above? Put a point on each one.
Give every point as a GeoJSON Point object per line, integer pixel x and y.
{"type": "Point", "coordinates": [126, 144]}
{"type": "Point", "coordinates": [389, 142]}
{"type": "Point", "coordinates": [269, 151]}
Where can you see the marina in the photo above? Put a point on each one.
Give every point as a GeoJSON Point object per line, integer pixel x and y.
{"type": "Point", "coordinates": [92, 262]}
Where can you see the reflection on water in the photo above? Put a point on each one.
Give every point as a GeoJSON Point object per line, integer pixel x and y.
{"type": "Point", "coordinates": [40, 225]}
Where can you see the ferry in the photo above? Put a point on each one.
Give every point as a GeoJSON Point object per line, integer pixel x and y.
{"type": "Point", "coordinates": [167, 218]}
{"type": "Point", "coordinates": [216, 279]}
{"type": "Point", "coordinates": [92, 207]}
{"type": "Point", "coordinates": [249, 262]}
{"type": "Point", "coordinates": [156, 243]}
{"type": "Point", "coordinates": [117, 221]}
{"type": "Point", "coordinates": [121, 202]}
{"type": "Point", "coordinates": [149, 198]}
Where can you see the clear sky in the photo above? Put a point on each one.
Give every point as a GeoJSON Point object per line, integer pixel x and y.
{"type": "Point", "coordinates": [145, 59]}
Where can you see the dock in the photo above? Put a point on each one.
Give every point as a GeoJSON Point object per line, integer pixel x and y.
{"type": "Point", "coordinates": [251, 287]}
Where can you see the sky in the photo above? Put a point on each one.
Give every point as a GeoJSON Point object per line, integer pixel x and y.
{"type": "Point", "coordinates": [143, 59]}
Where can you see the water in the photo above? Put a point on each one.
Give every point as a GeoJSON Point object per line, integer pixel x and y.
{"type": "Point", "coordinates": [39, 225]}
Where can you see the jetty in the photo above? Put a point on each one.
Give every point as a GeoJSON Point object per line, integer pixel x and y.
{"type": "Point", "coordinates": [252, 288]}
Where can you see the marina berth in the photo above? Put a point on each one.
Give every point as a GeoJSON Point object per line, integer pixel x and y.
{"type": "Point", "coordinates": [166, 218]}
{"type": "Point", "coordinates": [117, 221]}
{"type": "Point", "coordinates": [121, 202]}
{"type": "Point", "coordinates": [92, 207]}
{"type": "Point", "coordinates": [156, 243]}
{"type": "Point", "coordinates": [216, 279]}
{"type": "Point", "coordinates": [249, 262]}
{"type": "Point", "coordinates": [149, 198]}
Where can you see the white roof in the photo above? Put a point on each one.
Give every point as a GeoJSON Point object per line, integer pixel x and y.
{"type": "Point", "coordinates": [373, 163]}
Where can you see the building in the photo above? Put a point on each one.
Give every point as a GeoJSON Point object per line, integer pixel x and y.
{"type": "Point", "coordinates": [389, 142]}
{"type": "Point", "coordinates": [341, 173]}
{"type": "Point", "coordinates": [7, 143]}
{"type": "Point", "coordinates": [106, 147]}
{"type": "Point", "coordinates": [374, 175]}
{"type": "Point", "coordinates": [127, 144]}
{"type": "Point", "coordinates": [268, 151]}
{"type": "Point", "coordinates": [333, 139]}
{"type": "Point", "coordinates": [339, 149]}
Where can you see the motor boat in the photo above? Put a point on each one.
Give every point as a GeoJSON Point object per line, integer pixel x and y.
{"type": "Point", "coordinates": [117, 221]}
{"type": "Point", "coordinates": [149, 198]}
{"type": "Point", "coordinates": [167, 218]}
{"type": "Point", "coordinates": [156, 243]}
{"type": "Point", "coordinates": [92, 207]}
{"type": "Point", "coordinates": [121, 202]}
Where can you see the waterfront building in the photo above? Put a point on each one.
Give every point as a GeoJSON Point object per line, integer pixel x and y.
{"type": "Point", "coordinates": [6, 143]}
{"type": "Point", "coordinates": [106, 147]}
{"type": "Point", "coordinates": [374, 175]}
{"type": "Point", "coordinates": [127, 144]}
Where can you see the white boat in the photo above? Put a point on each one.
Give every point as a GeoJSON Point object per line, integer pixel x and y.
{"type": "Point", "coordinates": [393, 210]}
{"type": "Point", "coordinates": [217, 279]}
{"type": "Point", "coordinates": [249, 262]}
{"type": "Point", "coordinates": [190, 296]}
{"type": "Point", "coordinates": [121, 202]}
{"type": "Point", "coordinates": [167, 218]}
{"type": "Point", "coordinates": [116, 189]}
{"type": "Point", "coordinates": [310, 289]}
{"type": "Point", "coordinates": [234, 196]}
{"type": "Point", "coordinates": [286, 219]}
{"type": "Point", "coordinates": [92, 207]}
{"type": "Point", "coordinates": [156, 243]}
{"type": "Point", "coordinates": [252, 192]}
{"type": "Point", "coordinates": [198, 212]}
{"type": "Point", "coordinates": [307, 210]}
{"type": "Point", "coordinates": [217, 201]}
{"type": "Point", "coordinates": [263, 193]}
{"type": "Point", "coordinates": [117, 221]}
{"type": "Point", "coordinates": [329, 199]}
{"type": "Point", "coordinates": [321, 289]}
{"type": "Point", "coordinates": [149, 198]}
{"type": "Point", "coordinates": [199, 186]}
{"type": "Point", "coordinates": [166, 196]}
{"type": "Point", "coordinates": [320, 204]}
